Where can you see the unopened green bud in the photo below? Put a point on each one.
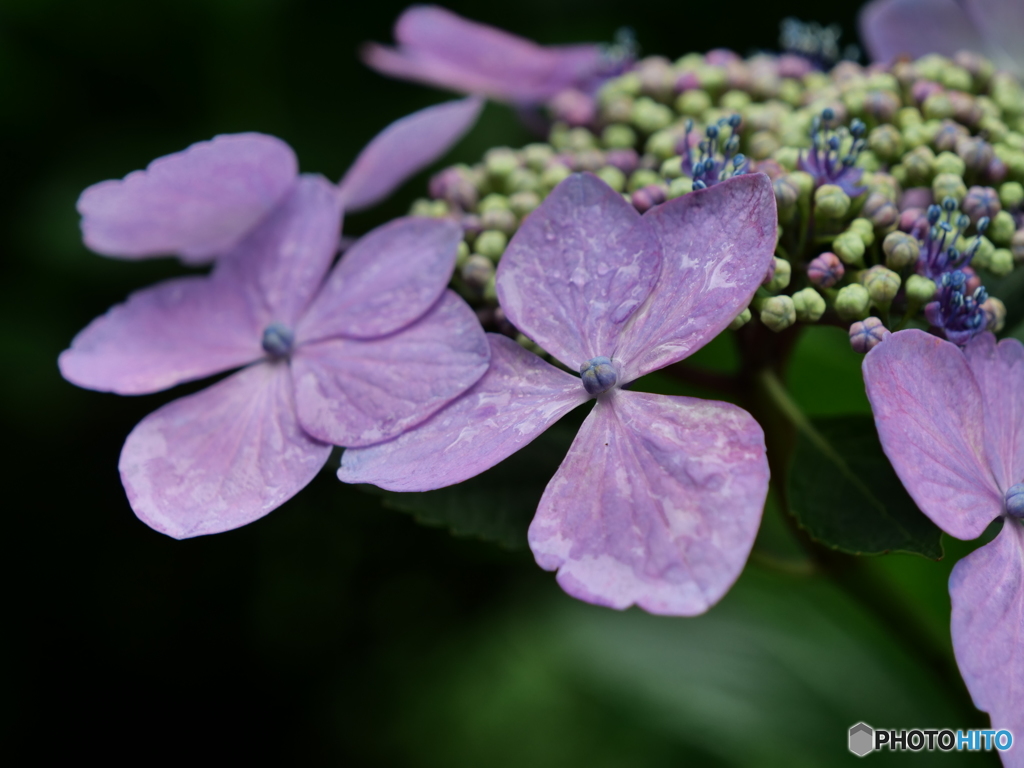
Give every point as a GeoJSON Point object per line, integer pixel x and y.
{"type": "Point", "coordinates": [957, 78]}
{"type": "Point", "coordinates": [882, 285]}
{"type": "Point", "coordinates": [693, 103]}
{"type": "Point", "coordinates": [938, 106]}
{"type": "Point", "coordinates": [804, 182]}
{"type": "Point", "coordinates": [618, 136]}
{"type": "Point", "coordinates": [778, 313]}
{"type": "Point", "coordinates": [493, 202]}
{"type": "Point", "coordinates": [491, 243]}
{"type": "Point", "coordinates": [1001, 263]}
{"type": "Point", "coordinates": [461, 253]}
{"type": "Point", "coordinates": [901, 250]}
{"type": "Point", "coordinates": [919, 166]}
{"type": "Point", "coordinates": [762, 145]}
{"type": "Point", "coordinates": [522, 180]}
{"type": "Point", "coordinates": [787, 193]}
{"type": "Point", "coordinates": [849, 247]}
{"type": "Point", "coordinates": [741, 319]}
{"type": "Point", "coordinates": [886, 142]}
{"type": "Point", "coordinates": [1011, 194]}
{"type": "Point", "coordinates": [613, 177]}
{"type": "Point", "coordinates": [931, 66]}
{"type": "Point", "coordinates": [994, 128]}
{"type": "Point", "coordinates": [476, 271]}
{"type": "Point", "coordinates": [831, 202]}
{"type": "Point", "coordinates": [734, 101]}
{"type": "Point", "coordinates": [865, 229]}
{"type": "Point", "coordinates": [642, 178]}
{"type": "Point", "coordinates": [1001, 230]}
{"type": "Point", "coordinates": [523, 203]}
{"type": "Point", "coordinates": [852, 302]}
{"type": "Point", "coordinates": [538, 155]}
{"type": "Point", "coordinates": [500, 220]}
{"type": "Point", "coordinates": [920, 290]}
{"type": "Point", "coordinates": [672, 168]}
{"type": "Point", "coordinates": [781, 277]}
{"type": "Point", "coordinates": [679, 187]}
{"type": "Point", "coordinates": [787, 157]}
{"type": "Point", "coordinates": [650, 116]}
{"type": "Point", "coordinates": [554, 175]}
{"type": "Point", "coordinates": [949, 185]}
{"type": "Point", "coordinates": [908, 116]}
{"type": "Point", "coordinates": [809, 305]}
{"type": "Point", "coordinates": [662, 144]}
{"type": "Point", "coordinates": [500, 162]}
{"type": "Point", "coordinates": [916, 135]}
{"type": "Point", "coordinates": [949, 162]}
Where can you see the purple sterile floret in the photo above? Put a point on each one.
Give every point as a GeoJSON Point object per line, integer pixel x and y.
{"type": "Point", "coordinates": [952, 424]}
{"type": "Point", "coordinates": [437, 47]}
{"type": "Point", "coordinates": [956, 311]}
{"type": "Point", "coordinates": [349, 355]}
{"type": "Point", "coordinates": [828, 160]}
{"type": "Point", "coordinates": [659, 498]}
{"type": "Point", "coordinates": [892, 28]}
{"type": "Point", "coordinates": [202, 202]}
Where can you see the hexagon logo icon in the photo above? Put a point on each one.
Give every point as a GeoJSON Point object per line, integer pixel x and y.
{"type": "Point", "coordinates": [862, 737]}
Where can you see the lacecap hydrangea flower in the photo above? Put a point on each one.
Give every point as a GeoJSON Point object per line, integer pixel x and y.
{"type": "Point", "coordinates": [659, 498]}
{"type": "Point", "coordinates": [350, 355]}
{"type": "Point", "coordinates": [951, 422]}
{"type": "Point", "coordinates": [202, 202]}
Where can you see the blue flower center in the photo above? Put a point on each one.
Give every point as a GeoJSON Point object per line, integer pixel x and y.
{"type": "Point", "coordinates": [278, 340]}
{"type": "Point", "coordinates": [598, 375]}
{"type": "Point", "coordinates": [1015, 501]}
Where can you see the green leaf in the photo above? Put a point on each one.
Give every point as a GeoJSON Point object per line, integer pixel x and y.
{"type": "Point", "coordinates": [845, 493]}
{"type": "Point", "coordinates": [497, 505]}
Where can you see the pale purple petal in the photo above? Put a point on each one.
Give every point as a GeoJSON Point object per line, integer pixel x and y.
{"type": "Point", "coordinates": [893, 28]}
{"type": "Point", "coordinates": [358, 392]}
{"type": "Point", "coordinates": [999, 371]}
{"type": "Point", "coordinates": [197, 203]}
{"type": "Point", "coordinates": [1001, 24]}
{"type": "Point", "coordinates": [577, 269]}
{"type": "Point", "coordinates": [404, 148]}
{"type": "Point", "coordinates": [175, 331]}
{"type": "Point", "coordinates": [440, 48]}
{"type": "Point", "coordinates": [930, 418]}
{"type": "Point", "coordinates": [385, 280]}
{"type": "Point", "coordinates": [281, 264]}
{"type": "Point", "coordinates": [657, 503]}
{"type": "Point", "coordinates": [716, 246]}
{"type": "Point", "coordinates": [987, 591]}
{"type": "Point", "coordinates": [220, 458]}
{"type": "Point", "coordinates": [518, 398]}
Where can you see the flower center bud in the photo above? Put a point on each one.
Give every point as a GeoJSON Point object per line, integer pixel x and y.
{"type": "Point", "coordinates": [278, 340]}
{"type": "Point", "coordinates": [598, 375]}
{"type": "Point", "coordinates": [1015, 501]}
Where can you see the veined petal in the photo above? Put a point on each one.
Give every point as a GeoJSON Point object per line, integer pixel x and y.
{"type": "Point", "coordinates": [358, 392]}
{"type": "Point", "coordinates": [197, 203]}
{"type": "Point", "coordinates": [657, 503]}
{"type": "Point", "coordinates": [987, 592]}
{"type": "Point", "coordinates": [518, 398]}
{"type": "Point", "coordinates": [220, 458]}
{"type": "Point", "coordinates": [930, 418]}
{"type": "Point", "coordinates": [717, 245]}
{"type": "Point", "coordinates": [577, 269]}
{"type": "Point", "coordinates": [999, 371]}
{"type": "Point", "coordinates": [892, 28]}
{"type": "Point", "coordinates": [404, 148]}
{"type": "Point", "coordinates": [175, 331]}
{"type": "Point", "coordinates": [440, 48]}
{"type": "Point", "coordinates": [1001, 24]}
{"type": "Point", "coordinates": [281, 265]}
{"type": "Point", "coordinates": [386, 280]}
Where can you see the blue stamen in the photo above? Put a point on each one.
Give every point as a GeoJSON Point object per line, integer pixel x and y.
{"type": "Point", "coordinates": [598, 375]}
{"type": "Point", "coordinates": [278, 340]}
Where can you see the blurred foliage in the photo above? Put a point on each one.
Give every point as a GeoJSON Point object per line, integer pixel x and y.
{"type": "Point", "coordinates": [337, 630]}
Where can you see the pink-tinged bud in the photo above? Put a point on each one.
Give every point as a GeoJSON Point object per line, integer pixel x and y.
{"type": "Point", "coordinates": [973, 281]}
{"type": "Point", "coordinates": [647, 197]}
{"type": "Point", "coordinates": [965, 108]}
{"type": "Point", "coordinates": [882, 105]}
{"type": "Point", "coordinates": [880, 211]}
{"type": "Point", "coordinates": [573, 107]}
{"type": "Point", "coordinates": [794, 66]}
{"type": "Point", "coordinates": [847, 70]}
{"type": "Point", "coordinates": [456, 186]}
{"type": "Point", "coordinates": [917, 198]}
{"type": "Point", "coordinates": [948, 135]}
{"type": "Point", "coordinates": [910, 221]}
{"type": "Point", "coordinates": [867, 334]}
{"type": "Point", "coordinates": [922, 89]}
{"type": "Point", "coordinates": [626, 160]}
{"type": "Point", "coordinates": [997, 171]}
{"type": "Point", "coordinates": [981, 201]}
{"type": "Point", "coordinates": [688, 81]}
{"type": "Point", "coordinates": [975, 152]}
{"type": "Point", "coordinates": [825, 270]}
{"type": "Point", "coordinates": [719, 57]}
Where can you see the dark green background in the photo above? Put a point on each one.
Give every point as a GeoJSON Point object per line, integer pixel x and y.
{"type": "Point", "coordinates": [336, 631]}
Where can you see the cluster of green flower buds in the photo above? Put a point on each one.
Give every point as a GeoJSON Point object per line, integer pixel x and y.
{"type": "Point", "coordinates": [857, 157]}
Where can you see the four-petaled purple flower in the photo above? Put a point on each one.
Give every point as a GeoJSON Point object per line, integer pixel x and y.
{"type": "Point", "coordinates": [952, 424]}
{"type": "Point", "coordinates": [350, 355]}
{"type": "Point", "coordinates": [200, 203]}
{"type": "Point", "coordinates": [957, 312]}
{"type": "Point", "coordinates": [831, 159]}
{"type": "Point", "coordinates": [659, 498]}
{"type": "Point", "coordinates": [891, 28]}
{"type": "Point", "coordinates": [437, 47]}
